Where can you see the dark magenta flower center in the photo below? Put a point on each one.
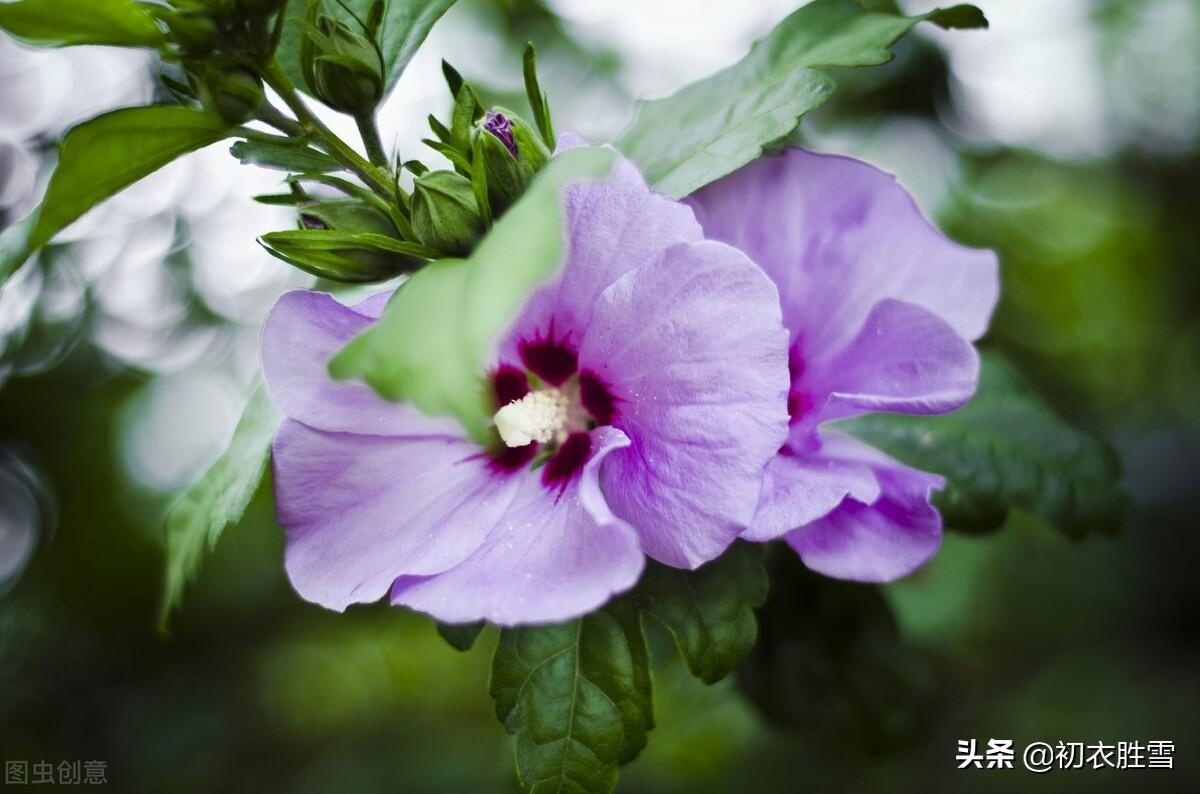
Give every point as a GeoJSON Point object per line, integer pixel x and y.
{"type": "Point", "coordinates": [550, 375]}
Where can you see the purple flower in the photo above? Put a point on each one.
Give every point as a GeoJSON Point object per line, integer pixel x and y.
{"type": "Point", "coordinates": [499, 125]}
{"type": "Point", "coordinates": [638, 400]}
{"type": "Point", "coordinates": [881, 309]}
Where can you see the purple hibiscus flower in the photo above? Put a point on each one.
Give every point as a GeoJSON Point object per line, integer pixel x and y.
{"type": "Point", "coordinates": [881, 309]}
{"type": "Point", "coordinates": [638, 399]}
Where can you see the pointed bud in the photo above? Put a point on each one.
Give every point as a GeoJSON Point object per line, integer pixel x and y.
{"type": "Point", "coordinates": [338, 256]}
{"type": "Point", "coordinates": [343, 66]}
{"type": "Point", "coordinates": [444, 213]}
{"type": "Point", "coordinates": [512, 154]}
{"type": "Point", "coordinates": [193, 29]}
{"type": "Point", "coordinates": [235, 94]}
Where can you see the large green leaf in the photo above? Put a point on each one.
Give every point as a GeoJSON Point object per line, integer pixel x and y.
{"type": "Point", "coordinates": [1004, 449]}
{"type": "Point", "coordinates": [431, 344]}
{"type": "Point", "coordinates": [60, 23]}
{"type": "Point", "coordinates": [716, 125]}
{"type": "Point", "coordinates": [831, 664]}
{"type": "Point", "coordinates": [218, 499]}
{"type": "Point", "coordinates": [578, 697]}
{"type": "Point", "coordinates": [710, 611]}
{"type": "Point", "coordinates": [406, 23]}
{"type": "Point", "coordinates": [101, 157]}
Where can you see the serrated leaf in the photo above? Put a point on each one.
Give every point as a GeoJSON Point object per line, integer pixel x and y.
{"type": "Point", "coordinates": [63, 23]}
{"type": "Point", "coordinates": [405, 24]}
{"type": "Point", "coordinates": [709, 611]}
{"type": "Point", "coordinates": [432, 342]}
{"type": "Point", "coordinates": [1006, 448]}
{"type": "Point", "coordinates": [722, 122]}
{"type": "Point", "coordinates": [217, 500]}
{"type": "Point", "coordinates": [830, 662]}
{"type": "Point", "coordinates": [101, 157]}
{"type": "Point", "coordinates": [460, 636]}
{"type": "Point", "coordinates": [577, 695]}
{"type": "Point", "coordinates": [281, 157]}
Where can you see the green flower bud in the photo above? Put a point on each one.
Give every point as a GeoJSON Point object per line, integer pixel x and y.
{"type": "Point", "coordinates": [233, 93]}
{"type": "Point", "coordinates": [193, 29]}
{"type": "Point", "coordinates": [340, 256]}
{"type": "Point", "coordinates": [444, 213]}
{"type": "Point", "coordinates": [342, 66]}
{"type": "Point", "coordinates": [512, 153]}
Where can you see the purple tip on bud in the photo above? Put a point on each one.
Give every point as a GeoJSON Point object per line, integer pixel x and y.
{"type": "Point", "coordinates": [499, 125]}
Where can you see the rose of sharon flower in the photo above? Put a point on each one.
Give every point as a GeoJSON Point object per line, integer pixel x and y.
{"type": "Point", "coordinates": [638, 399]}
{"type": "Point", "coordinates": [881, 309]}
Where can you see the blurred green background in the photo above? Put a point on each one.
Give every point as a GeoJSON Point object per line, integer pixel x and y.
{"type": "Point", "coordinates": [1067, 138]}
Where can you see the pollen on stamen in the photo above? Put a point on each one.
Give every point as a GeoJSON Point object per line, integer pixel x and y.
{"type": "Point", "coordinates": [538, 416]}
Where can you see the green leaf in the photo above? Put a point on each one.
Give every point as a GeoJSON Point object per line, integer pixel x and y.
{"type": "Point", "coordinates": [538, 101]}
{"type": "Point", "coordinates": [710, 611]}
{"type": "Point", "coordinates": [62, 23]}
{"type": "Point", "coordinates": [577, 695]}
{"type": "Point", "coordinates": [433, 340]}
{"type": "Point", "coordinates": [723, 122]}
{"type": "Point", "coordinates": [831, 664]}
{"type": "Point", "coordinates": [101, 157]}
{"type": "Point", "coordinates": [282, 157]}
{"type": "Point", "coordinates": [406, 23]}
{"type": "Point", "coordinates": [217, 500]}
{"type": "Point", "coordinates": [1005, 449]}
{"type": "Point", "coordinates": [461, 636]}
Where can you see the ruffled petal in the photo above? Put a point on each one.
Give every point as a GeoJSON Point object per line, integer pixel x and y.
{"type": "Point", "coordinates": [881, 541]}
{"type": "Point", "coordinates": [838, 236]}
{"type": "Point", "coordinates": [905, 359]}
{"type": "Point", "coordinates": [361, 510]}
{"type": "Point", "coordinates": [303, 331]}
{"type": "Point", "coordinates": [613, 225]}
{"type": "Point", "coordinates": [802, 485]}
{"type": "Point", "coordinates": [691, 350]}
{"type": "Point", "coordinates": [554, 555]}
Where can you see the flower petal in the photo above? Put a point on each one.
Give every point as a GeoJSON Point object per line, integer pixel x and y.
{"type": "Point", "coordinates": [803, 485]}
{"type": "Point", "coordinates": [904, 359]}
{"type": "Point", "coordinates": [302, 332]}
{"type": "Point", "coordinates": [838, 236]}
{"type": "Point", "coordinates": [613, 226]}
{"type": "Point", "coordinates": [553, 556]}
{"type": "Point", "coordinates": [881, 541]}
{"type": "Point", "coordinates": [692, 349]}
{"type": "Point", "coordinates": [361, 510]}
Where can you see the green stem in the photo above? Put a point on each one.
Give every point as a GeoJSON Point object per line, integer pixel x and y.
{"type": "Point", "coordinates": [341, 151]}
{"type": "Point", "coordinates": [268, 114]}
{"type": "Point", "coordinates": [370, 136]}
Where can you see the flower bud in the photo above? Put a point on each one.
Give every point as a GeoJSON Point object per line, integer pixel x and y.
{"type": "Point", "coordinates": [444, 213]}
{"type": "Point", "coordinates": [512, 153]}
{"type": "Point", "coordinates": [193, 29]}
{"type": "Point", "coordinates": [233, 93]}
{"type": "Point", "coordinates": [338, 256]}
{"type": "Point", "coordinates": [343, 67]}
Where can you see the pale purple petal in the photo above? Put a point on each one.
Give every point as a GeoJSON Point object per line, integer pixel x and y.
{"type": "Point", "coordinates": [881, 541]}
{"type": "Point", "coordinates": [691, 348]}
{"type": "Point", "coordinates": [838, 236]}
{"type": "Point", "coordinates": [905, 359]}
{"type": "Point", "coordinates": [553, 556]}
{"type": "Point", "coordinates": [804, 484]}
{"type": "Point", "coordinates": [361, 510]}
{"type": "Point", "coordinates": [303, 331]}
{"type": "Point", "coordinates": [613, 225]}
